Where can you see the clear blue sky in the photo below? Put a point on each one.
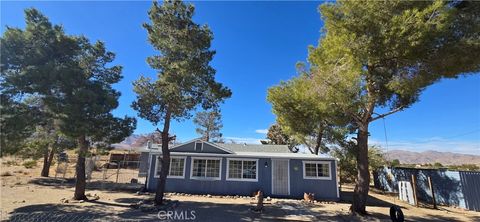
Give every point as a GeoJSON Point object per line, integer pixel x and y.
{"type": "Point", "coordinates": [258, 44]}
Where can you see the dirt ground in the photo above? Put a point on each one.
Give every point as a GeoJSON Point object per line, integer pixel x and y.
{"type": "Point", "coordinates": [27, 197]}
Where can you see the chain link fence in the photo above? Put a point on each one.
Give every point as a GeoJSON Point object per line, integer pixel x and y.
{"type": "Point", "coordinates": [103, 170]}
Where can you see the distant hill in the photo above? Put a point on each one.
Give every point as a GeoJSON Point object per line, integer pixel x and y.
{"type": "Point", "coordinates": [137, 141]}
{"type": "Point", "coordinates": [430, 156]}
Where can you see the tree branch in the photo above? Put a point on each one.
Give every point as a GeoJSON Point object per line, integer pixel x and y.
{"type": "Point", "coordinates": [386, 114]}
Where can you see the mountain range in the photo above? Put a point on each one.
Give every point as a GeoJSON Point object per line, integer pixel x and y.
{"type": "Point", "coordinates": [405, 157]}
{"type": "Point", "coordinates": [430, 156]}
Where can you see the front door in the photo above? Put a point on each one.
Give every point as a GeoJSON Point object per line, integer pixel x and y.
{"type": "Point", "coordinates": [280, 177]}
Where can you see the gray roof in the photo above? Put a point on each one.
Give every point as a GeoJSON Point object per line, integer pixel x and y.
{"type": "Point", "coordinates": [254, 148]}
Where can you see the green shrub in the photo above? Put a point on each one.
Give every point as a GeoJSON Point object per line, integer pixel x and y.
{"type": "Point", "coordinates": [10, 163]}
{"type": "Point", "coordinates": [30, 164]}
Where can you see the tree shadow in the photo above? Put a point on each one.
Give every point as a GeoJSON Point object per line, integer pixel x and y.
{"type": "Point", "coordinates": [59, 212]}
{"type": "Point", "coordinates": [436, 218]}
{"type": "Point", "coordinates": [347, 197]}
{"type": "Point", "coordinates": [106, 186]}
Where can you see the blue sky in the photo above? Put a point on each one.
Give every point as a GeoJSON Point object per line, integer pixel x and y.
{"type": "Point", "coordinates": [258, 44]}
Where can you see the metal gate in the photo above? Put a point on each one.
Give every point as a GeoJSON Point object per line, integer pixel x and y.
{"type": "Point", "coordinates": [280, 177]}
{"type": "Point", "coordinates": [471, 189]}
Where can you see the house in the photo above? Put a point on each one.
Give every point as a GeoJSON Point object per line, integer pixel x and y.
{"type": "Point", "coordinates": [200, 167]}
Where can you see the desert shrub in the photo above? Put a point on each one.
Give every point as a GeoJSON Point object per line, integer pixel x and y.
{"type": "Point", "coordinates": [10, 163]}
{"type": "Point", "coordinates": [30, 164]}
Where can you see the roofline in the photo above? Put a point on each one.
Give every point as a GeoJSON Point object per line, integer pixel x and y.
{"type": "Point", "coordinates": [175, 146]}
{"type": "Point", "coordinates": [219, 147]}
{"type": "Point", "coordinates": [253, 155]}
{"type": "Point", "coordinates": [203, 141]}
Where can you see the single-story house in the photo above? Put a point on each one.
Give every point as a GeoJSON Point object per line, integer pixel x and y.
{"type": "Point", "coordinates": [201, 167]}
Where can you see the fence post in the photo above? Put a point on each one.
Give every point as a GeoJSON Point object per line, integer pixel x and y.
{"type": "Point", "coordinates": [414, 186]}
{"type": "Point", "coordinates": [433, 193]}
{"type": "Point", "coordinates": [118, 171]}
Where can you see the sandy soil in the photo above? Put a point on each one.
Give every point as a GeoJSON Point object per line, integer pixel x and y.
{"type": "Point", "coordinates": [27, 197]}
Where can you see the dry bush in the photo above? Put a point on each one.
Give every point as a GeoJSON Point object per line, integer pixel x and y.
{"type": "Point", "coordinates": [30, 164]}
{"type": "Point", "coordinates": [6, 174]}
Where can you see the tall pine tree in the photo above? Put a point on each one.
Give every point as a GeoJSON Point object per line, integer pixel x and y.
{"type": "Point", "coordinates": [375, 59]}
{"type": "Point", "coordinates": [73, 78]}
{"type": "Point", "coordinates": [185, 78]}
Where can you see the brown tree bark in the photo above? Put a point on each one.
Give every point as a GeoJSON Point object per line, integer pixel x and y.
{"type": "Point", "coordinates": [164, 160]}
{"type": "Point", "coordinates": [47, 162]}
{"type": "Point", "coordinates": [80, 169]}
{"type": "Point", "coordinates": [45, 169]}
{"type": "Point", "coordinates": [360, 194]}
{"type": "Point", "coordinates": [319, 139]}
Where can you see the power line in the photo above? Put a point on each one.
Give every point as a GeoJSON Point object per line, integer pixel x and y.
{"type": "Point", "coordinates": [463, 134]}
{"type": "Point", "coordinates": [385, 132]}
{"type": "Point", "coordinates": [442, 138]}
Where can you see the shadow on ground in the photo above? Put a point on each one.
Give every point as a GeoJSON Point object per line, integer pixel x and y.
{"type": "Point", "coordinates": [107, 186]}
{"type": "Point", "coordinates": [200, 211]}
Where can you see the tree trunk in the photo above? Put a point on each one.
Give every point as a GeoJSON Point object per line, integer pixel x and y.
{"type": "Point", "coordinates": [47, 162]}
{"type": "Point", "coordinates": [45, 168]}
{"type": "Point", "coordinates": [80, 169]}
{"type": "Point", "coordinates": [319, 139]}
{"type": "Point", "coordinates": [363, 176]}
{"type": "Point", "coordinates": [165, 161]}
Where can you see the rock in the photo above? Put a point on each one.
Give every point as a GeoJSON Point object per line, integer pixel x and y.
{"type": "Point", "coordinates": [269, 199]}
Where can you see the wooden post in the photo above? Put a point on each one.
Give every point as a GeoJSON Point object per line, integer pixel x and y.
{"type": "Point", "coordinates": [430, 184]}
{"type": "Point", "coordinates": [118, 171]}
{"type": "Point", "coordinates": [414, 186]}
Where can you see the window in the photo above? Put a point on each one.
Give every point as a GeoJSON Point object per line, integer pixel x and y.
{"type": "Point", "coordinates": [206, 168]}
{"type": "Point", "coordinates": [198, 146]}
{"type": "Point", "coordinates": [242, 169]}
{"type": "Point", "coordinates": [177, 167]}
{"type": "Point", "coordinates": [316, 170]}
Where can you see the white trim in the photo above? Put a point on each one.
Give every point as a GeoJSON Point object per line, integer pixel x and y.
{"type": "Point", "coordinates": [288, 174]}
{"type": "Point", "coordinates": [242, 179]}
{"type": "Point", "coordinates": [195, 146]}
{"type": "Point", "coordinates": [199, 139]}
{"type": "Point", "coordinates": [271, 175]}
{"type": "Point", "coordinates": [156, 175]}
{"type": "Point", "coordinates": [336, 178]}
{"type": "Point", "coordinates": [149, 169]}
{"type": "Point", "coordinates": [205, 178]}
{"type": "Point", "coordinates": [257, 155]}
{"type": "Point", "coordinates": [317, 177]}
{"type": "Point", "coordinates": [219, 147]}
{"type": "Point", "coordinates": [181, 144]}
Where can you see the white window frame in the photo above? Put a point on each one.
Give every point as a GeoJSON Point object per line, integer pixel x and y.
{"type": "Point", "coordinates": [241, 179]}
{"type": "Point", "coordinates": [195, 147]}
{"type": "Point", "coordinates": [317, 177]}
{"type": "Point", "coordinates": [157, 164]}
{"type": "Point", "coordinates": [205, 178]}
